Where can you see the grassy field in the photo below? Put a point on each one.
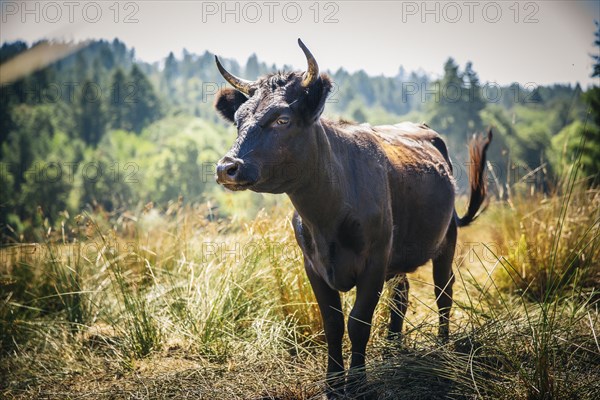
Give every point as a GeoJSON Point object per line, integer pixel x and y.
{"type": "Point", "coordinates": [180, 304]}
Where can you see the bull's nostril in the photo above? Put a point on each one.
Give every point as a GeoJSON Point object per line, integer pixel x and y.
{"type": "Point", "coordinates": [231, 171]}
{"type": "Point", "coordinates": [228, 170]}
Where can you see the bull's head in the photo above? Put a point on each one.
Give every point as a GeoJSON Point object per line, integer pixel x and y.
{"type": "Point", "coordinates": [274, 116]}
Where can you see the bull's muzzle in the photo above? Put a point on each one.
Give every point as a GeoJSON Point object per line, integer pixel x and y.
{"type": "Point", "coordinates": [230, 174]}
{"type": "Point", "coordinates": [228, 170]}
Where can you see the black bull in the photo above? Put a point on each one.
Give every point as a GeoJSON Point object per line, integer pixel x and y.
{"type": "Point", "coordinates": [372, 202]}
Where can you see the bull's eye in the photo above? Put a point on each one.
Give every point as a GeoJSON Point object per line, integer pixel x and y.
{"type": "Point", "coordinates": [282, 121]}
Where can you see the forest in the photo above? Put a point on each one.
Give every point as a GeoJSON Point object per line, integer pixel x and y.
{"type": "Point", "coordinates": [99, 131]}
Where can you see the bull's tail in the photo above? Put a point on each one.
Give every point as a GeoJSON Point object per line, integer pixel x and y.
{"type": "Point", "coordinates": [477, 152]}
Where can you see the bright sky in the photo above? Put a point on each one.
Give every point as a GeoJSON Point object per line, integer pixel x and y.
{"type": "Point", "coordinates": [539, 42]}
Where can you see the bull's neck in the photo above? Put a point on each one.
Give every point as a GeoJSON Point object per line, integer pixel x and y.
{"type": "Point", "coordinates": [320, 196]}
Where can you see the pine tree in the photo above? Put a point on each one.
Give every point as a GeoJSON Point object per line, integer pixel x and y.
{"type": "Point", "coordinates": [170, 75]}
{"type": "Point", "coordinates": [144, 107]}
{"type": "Point", "coordinates": [89, 113]}
{"type": "Point", "coordinates": [452, 111]}
{"type": "Point", "coordinates": [116, 103]}
{"type": "Point", "coordinates": [472, 99]}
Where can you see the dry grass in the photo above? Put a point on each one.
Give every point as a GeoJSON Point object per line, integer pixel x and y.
{"type": "Point", "coordinates": [549, 249]}
{"type": "Point", "coordinates": [180, 305]}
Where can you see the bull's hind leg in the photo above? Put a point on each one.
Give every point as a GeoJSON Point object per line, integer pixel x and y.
{"type": "Point", "coordinates": [443, 279]}
{"type": "Point", "coordinates": [398, 307]}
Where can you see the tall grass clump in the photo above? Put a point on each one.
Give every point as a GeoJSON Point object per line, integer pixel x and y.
{"type": "Point", "coordinates": [237, 286]}
{"type": "Point", "coordinates": [65, 283]}
{"type": "Point", "coordinates": [136, 321]}
{"type": "Point", "coordinates": [551, 245]}
{"type": "Point", "coordinates": [42, 281]}
{"type": "Point", "coordinates": [132, 315]}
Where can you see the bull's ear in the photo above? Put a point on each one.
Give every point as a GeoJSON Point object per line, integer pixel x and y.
{"type": "Point", "coordinates": [315, 97]}
{"type": "Point", "coordinates": [227, 101]}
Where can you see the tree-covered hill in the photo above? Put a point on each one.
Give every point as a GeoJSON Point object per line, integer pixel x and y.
{"type": "Point", "coordinates": [103, 131]}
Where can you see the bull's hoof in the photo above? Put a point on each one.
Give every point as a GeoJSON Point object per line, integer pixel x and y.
{"type": "Point", "coordinates": [357, 387]}
{"type": "Point", "coordinates": [443, 337]}
{"type": "Point", "coordinates": [394, 346]}
{"type": "Point", "coordinates": [335, 385]}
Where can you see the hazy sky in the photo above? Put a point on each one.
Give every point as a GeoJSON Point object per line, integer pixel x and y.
{"type": "Point", "coordinates": [508, 41]}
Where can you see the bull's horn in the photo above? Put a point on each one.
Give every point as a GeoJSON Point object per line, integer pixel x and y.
{"type": "Point", "coordinates": [240, 84]}
{"type": "Point", "coordinates": [311, 75]}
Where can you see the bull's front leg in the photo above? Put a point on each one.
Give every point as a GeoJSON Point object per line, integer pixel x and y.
{"type": "Point", "coordinates": [368, 291]}
{"type": "Point", "coordinates": [330, 306]}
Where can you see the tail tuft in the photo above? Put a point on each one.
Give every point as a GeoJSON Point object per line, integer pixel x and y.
{"type": "Point", "coordinates": [477, 153]}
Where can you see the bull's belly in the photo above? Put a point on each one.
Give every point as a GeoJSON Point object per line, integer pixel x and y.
{"type": "Point", "coordinates": [414, 247]}
{"type": "Point", "coordinates": [407, 258]}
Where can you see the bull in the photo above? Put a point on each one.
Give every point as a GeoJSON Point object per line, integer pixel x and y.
{"type": "Point", "coordinates": [378, 202]}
